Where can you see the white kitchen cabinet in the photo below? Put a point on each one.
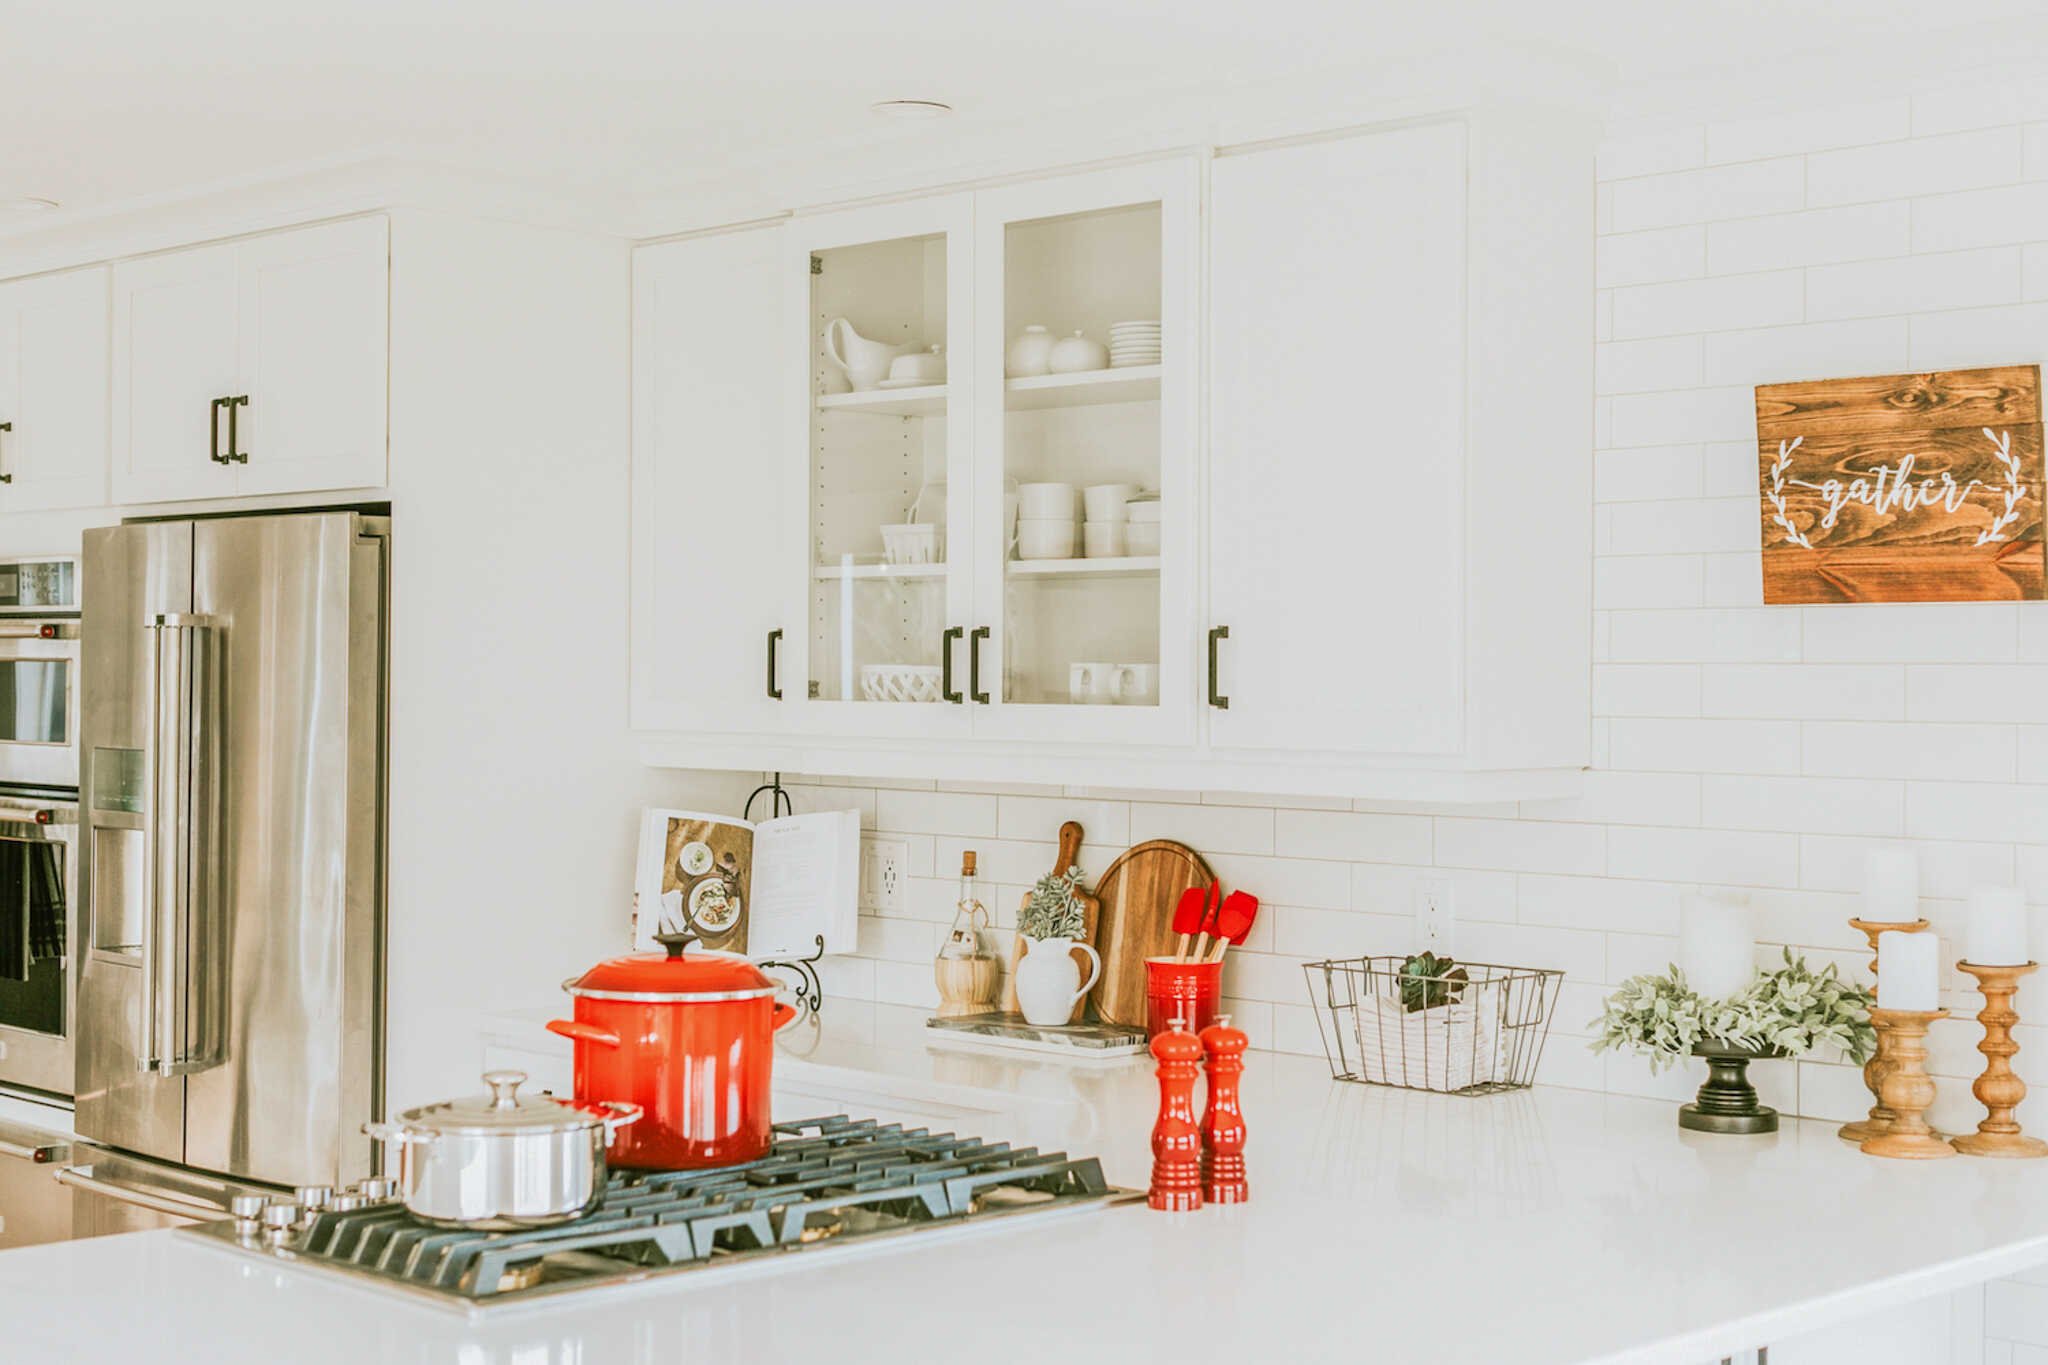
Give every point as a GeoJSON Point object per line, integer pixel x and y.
{"type": "Point", "coordinates": [253, 366]}
{"type": "Point", "coordinates": [53, 391]}
{"type": "Point", "coordinates": [1400, 452]}
{"type": "Point", "coordinates": [708, 432]}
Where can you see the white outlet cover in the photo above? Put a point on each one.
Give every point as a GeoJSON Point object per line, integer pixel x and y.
{"type": "Point", "coordinates": [1436, 920]}
{"type": "Point", "coordinates": [882, 869]}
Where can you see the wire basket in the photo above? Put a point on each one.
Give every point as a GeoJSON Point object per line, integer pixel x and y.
{"type": "Point", "coordinates": [1478, 1035]}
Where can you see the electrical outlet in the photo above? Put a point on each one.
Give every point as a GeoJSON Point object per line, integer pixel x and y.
{"type": "Point", "coordinates": [1436, 920]}
{"type": "Point", "coordinates": [881, 875]}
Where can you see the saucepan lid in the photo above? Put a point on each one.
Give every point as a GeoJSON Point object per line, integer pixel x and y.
{"type": "Point", "coordinates": [503, 1110]}
{"type": "Point", "coordinates": [674, 974]}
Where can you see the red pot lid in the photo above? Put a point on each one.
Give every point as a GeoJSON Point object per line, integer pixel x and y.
{"type": "Point", "coordinates": [677, 974]}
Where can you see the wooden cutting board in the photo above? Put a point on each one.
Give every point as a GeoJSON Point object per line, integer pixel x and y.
{"type": "Point", "coordinates": [1091, 911]}
{"type": "Point", "coordinates": [1138, 893]}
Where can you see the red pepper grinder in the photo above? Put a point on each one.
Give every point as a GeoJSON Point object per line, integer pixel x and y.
{"type": "Point", "coordinates": [1176, 1140]}
{"type": "Point", "coordinates": [1223, 1180]}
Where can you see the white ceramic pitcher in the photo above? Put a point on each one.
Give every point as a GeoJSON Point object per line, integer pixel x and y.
{"type": "Point", "coordinates": [1047, 977]}
{"type": "Point", "coordinates": [866, 362]}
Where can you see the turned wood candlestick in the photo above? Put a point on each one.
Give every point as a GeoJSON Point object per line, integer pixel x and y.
{"type": "Point", "coordinates": [1908, 1089]}
{"type": "Point", "coordinates": [1880, 1120]}
{"type": "Point", "coordinates": [1998, 1089]}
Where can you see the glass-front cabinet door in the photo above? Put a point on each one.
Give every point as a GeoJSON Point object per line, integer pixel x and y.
{"type": "Point", "coordinates": [1084, 464]}
{"type": "Point", "coordinates": [886, 417]}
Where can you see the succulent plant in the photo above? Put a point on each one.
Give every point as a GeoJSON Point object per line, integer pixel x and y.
{"type": "Point", "coordinates": [1428, 981]}
{"type": "Point", "coordinates": [1052, 911]}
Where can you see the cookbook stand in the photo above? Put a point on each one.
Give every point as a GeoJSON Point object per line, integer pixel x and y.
{"type": "Point", "coordinates": [810, 994]}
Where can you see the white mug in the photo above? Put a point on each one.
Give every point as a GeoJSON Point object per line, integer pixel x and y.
{"type": "Point", "coordinates": [1093, 684]}
{"type": "Point", "coordinates": [1136, 684]}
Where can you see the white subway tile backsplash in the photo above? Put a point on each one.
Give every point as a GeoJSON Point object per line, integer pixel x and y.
{"type": "Point", "coordinates": [1105, 825]}
{"type": "Point", "coordinates": [935, 812]}
{"type": "Point", "coordinates": [2033, 632]}
{"type": "Point", "coordinates": [1722, 857]}
{"type": "Point", "coordinates": [2033, 761]}
{"type": "Point", "coordinates": [2034, 271]}
{"type": "Point", "coordinates": [1977, 692]}
{"type": "Point", "coordinates": [1733, 580]}
{"type": "Point", "coordinates": [1815, 350]}
{"type": "Point", "coordinates": [1651, 257]}
{"type": "Point", "coordinates": [1644, 473]}
{"type": "Point", "coordinates": [1820, 805]}
{"type": "Point", "coordinates": [1649, 581]}
{"type": "Point", "coordinates": [1221, 829]}
{"type": "Point", "coordinates": [1923, 165]}
{"type": "Point", "coordinates": [1352, 835]}
{"type": "Point", "coordinates": [1646, 366]}
{"type": "Point", "coordinates": [1520, 845]}
{"type": "Point", "coordinates": [1808, 130]}
{"type": "Point", "coordinates": [1624, 798]}
{"type": "Point", "coordinates": [1599, 903]}
{"type": "Point", "coordinates": [1977, 104]}
{"type": "Point", "coordinates": [1979, 336]}
{"type": "Point", "coordinates": [1721, 304]}
{"type": "Point", "coordinates": [1914, 284]}
{"type": "Point", "coordinates": [1705, 195]}
{"type": "Point", "coordinates": [1646, 689]}
{"type": "Point", "coordinates": [1911, 632]}
{"type": "Point", "coordinates": [1682, 526]}
{"type": "Point", "coordinates": [1977, 810]}
{"type": "Point", "coordinates": [1972, 218]}
{"type": "Point", "coordinates": [1859, 232]}
{"type": "Point", "coordinates": [1719, 635]}
{"type": "Point", "coordinates": [1804, 691]}
{"type": "Point", "coordinates": [1705, 746]}
{"type": "Point", "coordinates": [1947, 869]}
{"type": "Point", "coordinates": [1925, 751]}
{"type": "Point", "coordinates": [1653, 152]}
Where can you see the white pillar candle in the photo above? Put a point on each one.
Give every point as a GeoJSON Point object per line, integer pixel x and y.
{"type": "Point", "coordinates": [1998, 928]}
{"type": "Point", "coordinates": [1891, 885]}
{"type": "Point", "coordinates": [1716, 945]}
{"type": "Point", "coordinates": [1908, 970]}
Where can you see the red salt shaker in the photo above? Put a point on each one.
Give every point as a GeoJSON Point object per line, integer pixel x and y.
{"type": "Point", "coordinates": [1223, 1132]}
{"type": "Point", "coordinates": [1176, 1140]}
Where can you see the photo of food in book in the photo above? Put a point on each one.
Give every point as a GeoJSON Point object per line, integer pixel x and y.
{"type": "Point", "coordinates": [776, 889]}
{"type": "Point", "coordinates": [704, 876]}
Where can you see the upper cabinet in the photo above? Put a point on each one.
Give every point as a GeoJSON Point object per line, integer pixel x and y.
{"type": "Point", "coordinates": [53, 391]}
{"type": "Point", "coordinates": [1064, 500]}
{"type": "Point", "coordinates": [253, 366]}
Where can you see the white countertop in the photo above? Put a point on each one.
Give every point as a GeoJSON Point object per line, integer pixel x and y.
{"type": "Point", "coordinates": [1545, 1226]}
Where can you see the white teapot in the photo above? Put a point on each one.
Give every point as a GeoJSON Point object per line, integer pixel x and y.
{"type": "Point", "coordinates": [866, 362]}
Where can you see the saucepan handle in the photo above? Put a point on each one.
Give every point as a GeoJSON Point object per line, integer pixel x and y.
{"type": "Point", "coordinates": [784, 1012]}
{"type": "Point", "coordinates": [585, 1033]}
{"type": "Point", "coordinates": [618, 1114]}
{"type": "Point", "coordinates": [396, 1133]}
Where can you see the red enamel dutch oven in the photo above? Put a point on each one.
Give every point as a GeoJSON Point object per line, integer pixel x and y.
{"type": "Point", "coordinates": [690, 1038]}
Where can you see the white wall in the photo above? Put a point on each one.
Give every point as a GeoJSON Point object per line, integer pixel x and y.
{"type": "Point", "coordinates": [1736, 745]}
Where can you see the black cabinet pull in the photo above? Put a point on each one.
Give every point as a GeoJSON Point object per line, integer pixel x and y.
{"type": "Point", "coordinates": [774, 639]}
{"type": "Point", "coordinates": [5, 477]}
{"type": "Point", "coordinates": [946, 688]}
{"type": "Point", "coordinates": [1216, 699]}
{"type": "Point", "coordinates": [974, 665]}
{"type": "Point", "coordinates": [214, 447]}
{"type": "Point", "coordinates": [235, 454]}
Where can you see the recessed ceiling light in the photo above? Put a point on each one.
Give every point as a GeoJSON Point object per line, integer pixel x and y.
{"type": "Point", "coordinates": [22, 204]}
{"type": "Point", "coordinates": [909, 109]}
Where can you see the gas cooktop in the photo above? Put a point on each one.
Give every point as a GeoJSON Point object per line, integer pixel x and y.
{"type": "Point", "coordinates": [827, 1182]}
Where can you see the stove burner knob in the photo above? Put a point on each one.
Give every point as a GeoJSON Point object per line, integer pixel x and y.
{"type": "Point", "coordinates": [376, 1189]}
{"type": "Point", "coordinates": [279, 1221]}
{"type": "Point", "coordinates": [345, 1203]}
{"type": "Point", "coordinates": [248, 1212]}
{"type": "Point", "coordinates": [314, 1197]}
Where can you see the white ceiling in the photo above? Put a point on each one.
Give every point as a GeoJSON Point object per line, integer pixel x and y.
{"type": "Point", "coordinates": [108, 104]}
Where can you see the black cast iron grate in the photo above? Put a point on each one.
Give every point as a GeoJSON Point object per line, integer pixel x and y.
{"type": "Point", "coordinates": [836, 1179]}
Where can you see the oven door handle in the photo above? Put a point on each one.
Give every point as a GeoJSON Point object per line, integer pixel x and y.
{"type": "Point", "coordinates": [82, 1178]}
{"type": "Point", "coordinates": [184, 984]}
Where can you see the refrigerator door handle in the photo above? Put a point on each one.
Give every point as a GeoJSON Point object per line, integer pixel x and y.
{"type": "Point", "coordinates": [83, 1178]}
{"type": "Point", "coordinates": [183, 987]}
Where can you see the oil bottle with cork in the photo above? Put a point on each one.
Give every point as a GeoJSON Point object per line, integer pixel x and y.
{"type": "Point", "coordinates": [966, 972]}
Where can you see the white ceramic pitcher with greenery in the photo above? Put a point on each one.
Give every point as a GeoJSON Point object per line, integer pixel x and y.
{"type": "Point", "coordinates": [1047, 979]}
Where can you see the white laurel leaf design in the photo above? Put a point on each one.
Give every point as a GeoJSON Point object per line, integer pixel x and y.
{"type": "Point", "coordinates": [1793, 536]}
{"type": "Point", "coordinates": [2014, 491]}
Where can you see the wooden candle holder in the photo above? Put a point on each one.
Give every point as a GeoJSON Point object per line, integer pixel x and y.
{"type": "Point", "coordinates": [1880, 1120]}
{"type": "Point", "coordinates": [1998, 1089]}
{"type": "Point", "coordinates": [1908, 1089]}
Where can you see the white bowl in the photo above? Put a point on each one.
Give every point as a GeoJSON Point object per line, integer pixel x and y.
{"type": "Point", "coordinates": [1051, 538]}
{"type": "Point", "coordinates": [1141, 538]}
{"type": "Point", "coordinates": [900, 682]}
{"type": "Point", "coordinates": [1105, 501]}
{"type": "Point", "coordinates": [1046, 501]}
{"type": "Point", "coordinates": [1103, 539]}
{"type": "Point", "coordinates": [1142, 509]}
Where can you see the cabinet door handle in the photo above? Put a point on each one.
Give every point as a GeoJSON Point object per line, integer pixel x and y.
{"type": "Point", "coordinates": [213, 447]}
{"type": "Point", "coordinates": [774, 639]}
{"type": "Point", "coordinates": [7, 427]}
{"type": "Point", "coordinates": [974, 665]}
{"type": "Point", "coordinates": [946, 688]}
{"type": "Point", "coordinates": [1216, 699]}
{"type": "Point", "coordinates": [235, 455]}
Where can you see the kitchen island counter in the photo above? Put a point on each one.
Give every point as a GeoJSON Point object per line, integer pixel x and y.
{"type": "Point", "coordinates": [1537, 1227]}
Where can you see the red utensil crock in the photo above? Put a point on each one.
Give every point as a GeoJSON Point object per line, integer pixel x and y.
{"type": "Point", "coordinates": [1189, 991]}
{"type": "Point", "coordinates": [690, 1038]}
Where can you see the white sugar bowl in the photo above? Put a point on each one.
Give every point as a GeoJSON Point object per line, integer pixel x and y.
{"type": "Point", "coordinates": [1072, 355]}
{"type": "Point", "coordinates": [1029, 354]}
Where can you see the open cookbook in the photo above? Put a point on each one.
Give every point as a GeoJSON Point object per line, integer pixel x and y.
{"type": "Point", "coordinates": [767, 890]}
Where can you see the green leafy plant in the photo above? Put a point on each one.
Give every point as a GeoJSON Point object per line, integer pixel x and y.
{"type": "Point", "coordinates": [1791, 1010]}
{"type": "Point", "coordinates": [1052, 911]}
{"type": "Point", "coordinates": [1428, 981]}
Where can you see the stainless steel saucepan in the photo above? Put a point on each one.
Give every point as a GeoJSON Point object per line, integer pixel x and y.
{"type": "Point", "coordinates": [503, 1161]}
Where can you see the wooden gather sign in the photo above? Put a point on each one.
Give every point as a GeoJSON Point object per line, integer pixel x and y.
{"type": "Point", "coordinates": [1902, 487]}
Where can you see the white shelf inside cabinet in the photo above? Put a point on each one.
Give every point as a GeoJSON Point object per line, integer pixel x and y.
{"type": "Point", "coordinates": [1128, 566]}
{"type": "Point", "coordinates": [834, 572]}
{"type": "Point", "coordinates": [926, 400]}
{"type": "Point", "coordinates": [1135, 384]}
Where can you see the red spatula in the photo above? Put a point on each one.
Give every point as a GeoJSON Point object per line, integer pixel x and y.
{"type": "Point", "coordinates": [1211, 900]}
{"type": "Point", "coordinates": [1234, 921]}
{"type": "Point", "coordinates": [1187, 919]}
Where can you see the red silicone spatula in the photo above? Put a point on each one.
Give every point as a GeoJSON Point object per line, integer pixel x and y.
{"type": "Point", "coordinates": [1211, 900]}
{"type": "Point", "coordinates": [1234, 921]}
{"type": "Point", "coordinates": [1187, 920]}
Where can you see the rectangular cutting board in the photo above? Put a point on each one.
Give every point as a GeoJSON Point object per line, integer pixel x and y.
{"type": "Point", "coordinates": [1138, 895]}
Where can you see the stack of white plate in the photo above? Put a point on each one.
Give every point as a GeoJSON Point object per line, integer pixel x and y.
{"type": "Point", "coordinates": [1133, 343]}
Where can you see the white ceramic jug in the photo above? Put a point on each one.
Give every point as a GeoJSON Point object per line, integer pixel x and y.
{"type": "Point", "coordinates": [866, 362]}
{"type": "Point", "coordinates": [1047, 977]}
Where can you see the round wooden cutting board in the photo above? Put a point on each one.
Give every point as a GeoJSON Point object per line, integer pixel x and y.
{"type": "Point", "coordinates": [1138, 895]}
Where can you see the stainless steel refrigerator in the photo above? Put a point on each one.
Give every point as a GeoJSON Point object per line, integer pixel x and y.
{"type": "Point", "coordinates": [231, 998]}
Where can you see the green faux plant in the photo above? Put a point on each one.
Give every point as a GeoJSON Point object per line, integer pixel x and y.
{"type": "Point", "coordinates": [1428, 981]}
{"type": "Point", "coordinates": [1052, 911]}
{"type": "Point", "coordinates": [1791, 1010]}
